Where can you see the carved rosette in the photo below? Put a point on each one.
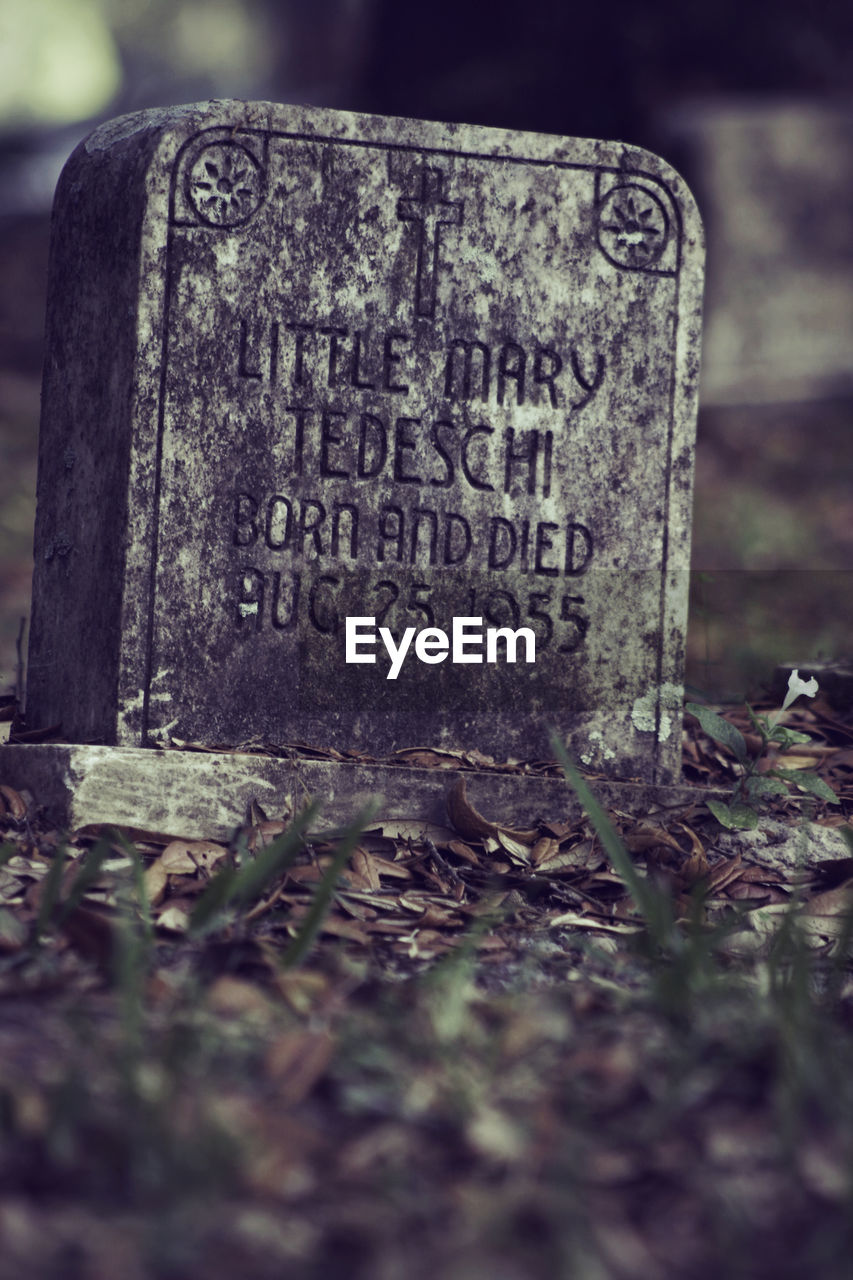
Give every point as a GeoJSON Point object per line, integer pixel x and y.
{"type": "Point", "coordinates": [220, 181]}
{"type": "Point", "coordinates": [635, 228]}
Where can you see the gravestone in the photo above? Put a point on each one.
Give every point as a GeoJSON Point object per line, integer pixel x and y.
{"type": "Point", "coordinates": [318, 382]}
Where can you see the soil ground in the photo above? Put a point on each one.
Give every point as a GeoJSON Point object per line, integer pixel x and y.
{"type": "Point", "coordinates": [488, 1062]}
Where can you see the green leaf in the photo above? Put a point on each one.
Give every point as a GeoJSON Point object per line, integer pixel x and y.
{"type": "Point", "coordinates": [847, 836]}
{"type": "Point", "coordinates": [720, 730]}
{"type": "Point", "coordinates": [737, 817]}
{"type": "Point", "coordinates": [788, 737]}
{"type": "Point", "coordinates": [808, 781]}
{"type": "Point", "coordinates": [765, 785]}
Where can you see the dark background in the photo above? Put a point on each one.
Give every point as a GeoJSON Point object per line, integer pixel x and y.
{"type": "Point", "coordinates": [773, 533]}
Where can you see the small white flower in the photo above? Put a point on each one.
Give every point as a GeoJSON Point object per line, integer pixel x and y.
{"type": "Point", "coordinates": [796, 686]}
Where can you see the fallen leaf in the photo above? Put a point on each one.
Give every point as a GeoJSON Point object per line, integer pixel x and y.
{"type": "Point", "coordinates": [543, 850]}
{"type": "Point", "coordinates": [412, 829]}
{"type": "Point", "coordinates": [465, 852]}
{"type": "Point", "coordinates": [175, 918]}
{"type": "Point", "coordinates": [12, 802]}
{"type": "Point", "coordinates": [235, 997]}
{"type": "Point", "coordinates": [517, 850]}
{"type": "Point", "coordinates": [265, 832]}
{"type": "Point", "coordinates": [92, 934]}
{"type": "Point", "coordinates": [427, 758]}
{"type": "Point", "coordinates": [13, 931]}
{"type": "Point", "coordinates": [590, 922]}
{"type": "Point", "coordinates": [464, 817]}
{"type": "Point", "coordinates": [364, 866]}
{"type": "Point", "coordinates": [297, 1060]}
{"type": "Point", "coordinates": [185, 857]}
{"type": "Point", "coordinates": [156, 880]}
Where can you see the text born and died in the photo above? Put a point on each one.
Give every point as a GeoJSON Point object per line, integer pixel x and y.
{"type": "Point", "coordinates": [404, 487]}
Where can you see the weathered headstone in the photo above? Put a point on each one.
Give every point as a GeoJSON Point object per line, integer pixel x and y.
{"type": "Point", "coordinates": [318, 381]}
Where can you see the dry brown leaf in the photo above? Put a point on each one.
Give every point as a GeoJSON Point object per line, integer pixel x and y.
{"type": "Point", "coordinates": [725, 873]}
{"type": "Point", "coordinates": [411, 903]}
{"type": "Point", "coordinates": [464, 817]}
{"type": "Point", "coordinates": [296, 1061]}
{"type": "Point", "coordinates": [581, 856]}
{"type": "Point", "coordinates": [12, 803]}
{"type": "Point", "coordinates": [517, 850]}
{"type": "Point", "coordinates": [363, 865]}
{"type": "Point", "coordinates": [427, 758]}
{"type": "Point", "coordinates": [395, 870]}
{"type": "Point", "coordinates": [378, 902]}
{"type": "Point", "coordinates": [156, 879]}
{"type": "Point", "coordinates": [412, 829]}
{"type": "Point", "coordinates": [438, 916]}
{"type": "Point", "coordinates": [577, 921]}
{"type": "Point", "coordinates": [13, 931]}
{"type": "Point", "coordinates": [235, 997]}
{"type": "Point", "coordinates": [32, 868]}
{"type": "Point", "coordinates": [356, 909]}
{"type": "Point", "coordinates": [832, 902]}
{"type": "Point", "coordinates": [643, 836]}
{"type": "Point", "coordinates": [92, 934]}
{"type": "Point", "coordinates": [334, 925]}
{"type": "Point", "coordinates": [303, 989]}
{"type": "Point", "coordinates": [185, 857]}
{"type": "Point", "coordinates": [11, 887]}
{"type": "Point", "coordinates": [465, 852]}
{"type": "Point", "coordinates": [265, 832]}
{"type": "Point", "coordinates": [544, 850]}
{"type": "Point", "coordinates": [695, 868]}
{"type": "Point", "coordinates": [803, 759]}
{"type": "Point", "coordinates": [175, 917]}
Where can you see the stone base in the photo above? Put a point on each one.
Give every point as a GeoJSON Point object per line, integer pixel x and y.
{"type": "Point", "coordinates": [205, 796]}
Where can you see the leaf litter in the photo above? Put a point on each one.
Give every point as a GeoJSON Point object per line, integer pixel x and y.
{"type": "Point", "coordinates": [474, 1013]}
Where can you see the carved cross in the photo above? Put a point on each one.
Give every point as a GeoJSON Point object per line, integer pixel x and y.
{"type": "Point", "coordinates": [432, 211]}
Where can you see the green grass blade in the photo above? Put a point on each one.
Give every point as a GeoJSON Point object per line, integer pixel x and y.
{"type": "Point", "coordinates": [652, 905]}
{"type": "Point", "coordinates": [246, 884]}
{"type": "Point", "coordinates": [7, 851]}
{"type": "Point", "coordinates": [50, 893]}
{"type": "Point", "coordinates": [254, 876]}
{"type": "Point", "coordinates": [85, 878]}
{"type": "Point", "coordinates": [323, 895]}
{"type": "Point", "coordinates": [141, 893]}
{"type": "Point", "coordinates": [213, 901]}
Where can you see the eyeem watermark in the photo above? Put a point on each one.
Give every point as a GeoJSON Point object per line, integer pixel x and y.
{"type": "Point", "coordinates": [434, 645]}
